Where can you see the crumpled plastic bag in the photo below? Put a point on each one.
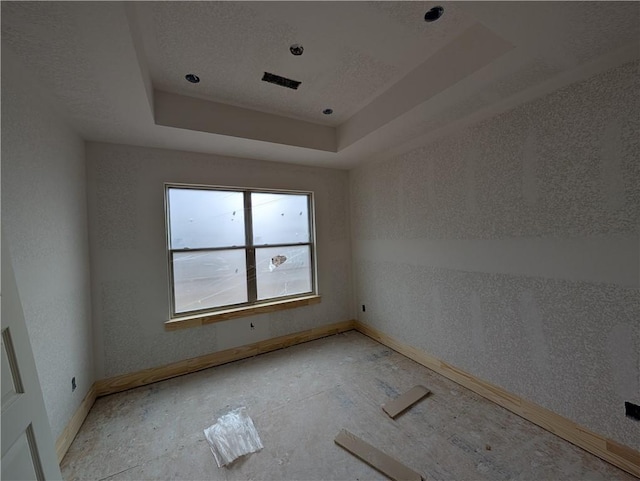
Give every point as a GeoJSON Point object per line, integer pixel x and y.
{"type": "Point", "coordinates": [233, 435]}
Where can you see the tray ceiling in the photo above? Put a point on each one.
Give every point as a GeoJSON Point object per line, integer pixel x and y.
{"type": "Point", "coordinates": [116, 70]}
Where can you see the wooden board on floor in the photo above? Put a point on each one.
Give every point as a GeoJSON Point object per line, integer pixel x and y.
{"type": "Point", "coordinates": [609, 450]}
{"type": "Point", "coordinates": [375, 458]}
{"type": "Point", "coordinates": [405, 401]}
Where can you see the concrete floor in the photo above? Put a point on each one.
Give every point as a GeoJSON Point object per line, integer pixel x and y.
{"type": "Point", "coordinates": [299, 398]}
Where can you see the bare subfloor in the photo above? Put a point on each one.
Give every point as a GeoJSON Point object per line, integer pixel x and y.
{"type": "Point", "coordinates": [299, 398]}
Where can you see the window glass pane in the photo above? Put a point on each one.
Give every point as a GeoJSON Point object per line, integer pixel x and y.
{"type": "Point", "coordinates": [209, 279]}
{"type": "Point", "coordinates": [280, 218]}
{"type": "Point", "coordinates": [283, 271]}
{"type": "Point", "coordinates": [206, 218]}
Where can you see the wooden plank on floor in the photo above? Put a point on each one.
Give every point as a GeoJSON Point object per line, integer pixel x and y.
{"type": "Point", "coordinates": [405, 401]}
{"type": "Point", "coordinates": [375, 458]}
{"type": "Point", "coordinates": [607, 449]}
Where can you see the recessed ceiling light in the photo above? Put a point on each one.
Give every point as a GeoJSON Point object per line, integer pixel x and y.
{"type": "Point", "coordinates": [434, 14]}
{"type": "Point", "coordinates": [327, 111]}
{"type": "Point", "coordinates": [194, 79]}
{"type": "Point", "coordinates": [296, 49]}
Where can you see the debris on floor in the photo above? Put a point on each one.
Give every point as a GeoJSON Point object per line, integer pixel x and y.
{"type": "Point", "coordinates": [233, 435]}
{"type": "Point", "coordinates": [405, 401]}
{"type": "Point", "coordinates": [375, 458]}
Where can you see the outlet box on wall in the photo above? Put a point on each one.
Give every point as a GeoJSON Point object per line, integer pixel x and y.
{"type": "Point", "coordinates": [632, 411]}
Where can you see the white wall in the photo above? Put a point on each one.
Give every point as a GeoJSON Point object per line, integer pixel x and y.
{"type": "Point", "coordinates": [44, 218]}
{"type": "Point", "coordinates": [129, 259]}
{"type": "Point", "coordinates": [510, 249]}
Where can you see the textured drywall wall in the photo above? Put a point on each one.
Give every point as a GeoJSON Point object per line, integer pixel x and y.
{"type": "Point", "coordinates": [129, 257]}
{"type": "Point", "coordinates": [510, 249]}
{"type": "Point", "coordinates": [44, 218]}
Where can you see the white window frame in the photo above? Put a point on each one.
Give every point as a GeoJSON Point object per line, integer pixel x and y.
{"type": "Point", "coordinates": [250, 252]}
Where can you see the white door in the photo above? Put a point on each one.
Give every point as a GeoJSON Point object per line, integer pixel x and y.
{"type": "Point", "coordinates": [28, 450]}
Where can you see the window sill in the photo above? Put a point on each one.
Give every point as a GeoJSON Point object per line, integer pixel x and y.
{"type": "Point", "coordinates": [202, 319]}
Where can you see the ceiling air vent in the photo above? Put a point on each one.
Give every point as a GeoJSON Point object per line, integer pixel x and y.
{"type": "Point", "coordinates": [282, 81]}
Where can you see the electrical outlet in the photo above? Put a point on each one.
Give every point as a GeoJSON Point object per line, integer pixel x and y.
{"type": "Point", "coordinates": [73, 384]}
{"type": "Point", "coordinates": [632, 410]}
{"type": "Point", "coordinates": [363, 308]}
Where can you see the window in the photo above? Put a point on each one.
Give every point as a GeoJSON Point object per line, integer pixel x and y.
{"type": "Point", "coordinates": [233, 248]}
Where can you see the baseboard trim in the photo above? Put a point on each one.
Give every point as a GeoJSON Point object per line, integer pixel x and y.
{"type": "Point", "coordinates": [73, 426]}
{"type": "Point", "coordinates": [606, 449]}
{"type": "Point", "coordinates": [155, 374]}
{"type": "Point", "coordinates": [611, 451]}
{"type": "Point", "coordinates": [148, 376]}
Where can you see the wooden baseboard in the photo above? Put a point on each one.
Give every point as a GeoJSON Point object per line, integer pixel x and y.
{"type": "Point", "coordinates": [69, 433]}
{"type": "Point", "coordinates": [148, 376]}
{"type": "Point", "coordinates": [611, 451]}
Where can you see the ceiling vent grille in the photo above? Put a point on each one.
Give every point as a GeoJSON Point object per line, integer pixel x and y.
{"type": "Point", "coordinates": [282, 81]}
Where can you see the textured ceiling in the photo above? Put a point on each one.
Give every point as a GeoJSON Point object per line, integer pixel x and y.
{"type": "Point", "coordinates": [353, 51]}
{"type": "Point", "coordinates": [390, 78]}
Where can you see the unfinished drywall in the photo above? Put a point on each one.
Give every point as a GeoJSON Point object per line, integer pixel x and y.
{"type": "Point", "coordinates": [44, 218]}
{"type": "Point", "coordinates": [129, 253]}
{"type": "Point", "coordinates": [510, 249]}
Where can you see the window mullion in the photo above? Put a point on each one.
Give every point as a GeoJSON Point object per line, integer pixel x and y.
{"type": "Point", "coordinates": [252, 289]}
